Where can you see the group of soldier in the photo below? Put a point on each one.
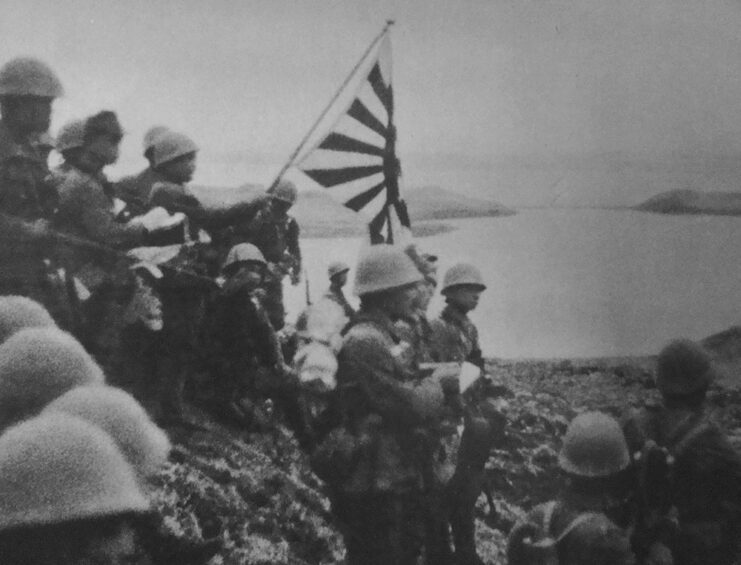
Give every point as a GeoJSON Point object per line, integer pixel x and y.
{"type": "Point", "coordinates": [400, 437]}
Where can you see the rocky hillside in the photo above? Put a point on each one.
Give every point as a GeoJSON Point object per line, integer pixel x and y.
{"type": "Point", "coordinates": [694, 202]}
{"type": "Point", "coordinates": [258, 495]}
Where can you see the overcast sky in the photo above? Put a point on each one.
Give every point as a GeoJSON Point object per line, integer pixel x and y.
{"type": "Point", "coordinates": [474, 80]}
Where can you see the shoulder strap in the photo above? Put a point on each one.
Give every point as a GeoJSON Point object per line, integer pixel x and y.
{"type": "Point", "coordinates": [549, 540]}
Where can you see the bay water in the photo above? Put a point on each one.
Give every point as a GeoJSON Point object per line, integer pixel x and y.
{"type": "Point", "coordinates": [578, 282]}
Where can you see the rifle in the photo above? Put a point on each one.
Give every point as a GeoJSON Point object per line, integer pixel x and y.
{"type": "Point", "coordinates": [307, 289]}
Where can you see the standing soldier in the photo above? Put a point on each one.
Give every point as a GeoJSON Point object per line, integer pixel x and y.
{"type": "Point", "coordinates": [27, 201]}
{"type": "Point", "coordinates": [584, 525]}
{"type": "Point", "coordinates": [455, 338]}
{"type": "Point", "coordinates": [376, 463]}
{"type": "Point", "coordinates": [337, 279]}
{"type": "Point", "coordinates": [135, 189]}
{"type": "Point", "coordinates": [694, 505]}
{"type": "Point", "coordinates": [276, 235]}
{"type": "Point", "coordinates": [87, 211]}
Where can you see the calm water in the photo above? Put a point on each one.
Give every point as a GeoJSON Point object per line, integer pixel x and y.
{"type": "Point", "coordinates": [580, 283]}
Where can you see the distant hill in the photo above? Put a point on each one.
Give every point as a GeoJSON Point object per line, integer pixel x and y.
{"type": "Point", "coordinates": [693, 202]}
{"type": "Point", "coordinates": [436, 203]}
{"type": "Point", "coordinates": [321, 216]}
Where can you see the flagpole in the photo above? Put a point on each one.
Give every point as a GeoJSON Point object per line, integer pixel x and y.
{"type": "Point", "coordinates": [301, 145]}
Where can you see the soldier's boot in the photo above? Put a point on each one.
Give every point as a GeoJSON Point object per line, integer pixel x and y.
{"type": "Point", "coordinates": [171, 392]}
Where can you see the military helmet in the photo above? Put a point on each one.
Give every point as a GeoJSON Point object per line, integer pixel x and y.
{"type": "Point", "coordinates": [384, 267]}
{"type": "Point", "coordinates": [71, 136]}
{"type": "Point", "coordinates": [285, 191]}
{"type": "Point", "coordinates": [336, 268]}
{"type": "Point", "coordinates": [117, 413]}
{"type": "Point", "coordinates": [56, 468]}
{"type": "Point", "coordinates": [104, 122]}
{"type": "Point", "coordinates": [151, 136]}
{"type": "Point", "coordinates": [597, 539]}
{"type": "Point", "coordinates": [243, 252]}
{"type": "Point", "coordinates": [683, 367]}
{"type": "Point", "coordinates": [26, 76]}
{"type": "Point", "coordinates": [463, 274]}
{"type": "Point", "coordinates": [19, 312]}
{"type": "Point", "coordinates": [169, 145]}
{"type": "Point", "coordinates": [38, 365]}
{"type": "Point", "coordinates": [594, 446]}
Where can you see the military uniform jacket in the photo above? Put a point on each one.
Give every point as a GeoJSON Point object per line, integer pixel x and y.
{"type": "Point", "coordinates": [275, 237]}
{"type": "Point", "coordinates": [86, 210]}
{"type": "Point", "coordinates": [135, 190]}
{"type": "Point", "coordinates": [338, 297]}
{"type": "Point", "coordinates": [706, 473]}
{"type": "Point", "coordinates": [24, 195]}
{"type": "Point", "coordinates": [455, 337]}
{"type": "Point", "coordinates": [384, 406]}
{"type": "Point", "coordinates": [585, 537]}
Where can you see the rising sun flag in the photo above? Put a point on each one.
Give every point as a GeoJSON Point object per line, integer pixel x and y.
{"type": "Point", "coordinates": [355, 160]}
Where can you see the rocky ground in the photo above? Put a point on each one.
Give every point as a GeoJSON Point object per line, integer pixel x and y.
{"type": "Point", "coordinates": [258, 495]}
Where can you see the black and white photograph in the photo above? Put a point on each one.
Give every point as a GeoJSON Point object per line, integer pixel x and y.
{"type": "Point", "coordinates": [370, 282]}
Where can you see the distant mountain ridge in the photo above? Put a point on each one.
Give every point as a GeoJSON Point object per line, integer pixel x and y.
{"type": "Point", "coordinates": [321, 216]}
{"type": "Point", "coordinates": [693, 202]}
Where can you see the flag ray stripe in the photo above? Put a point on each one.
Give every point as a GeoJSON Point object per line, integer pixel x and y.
{"type": "Point", "coordinates": [325, 159]}
{"type": "Point", "coordinates": [380, 88]}
{"type": "Point", "coordinates": [333, 177]}
{"type": "Point", "coordinates": [340, 142]}
{"type": "Point", "coordinates": [359, 111]}
{"type": "Point", "coordinates": [363, 199]}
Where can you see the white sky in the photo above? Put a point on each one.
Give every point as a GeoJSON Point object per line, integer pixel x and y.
{"type": "Point", "coordinates": [474, 80]}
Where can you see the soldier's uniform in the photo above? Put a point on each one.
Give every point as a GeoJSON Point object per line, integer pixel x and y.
{"type": "Point", "coordinates": [277, 237]}
{"type": "Point", "coordinates": [584, 525]}
{"type": "Point", "coordinates": [376, 463]}
{"type": "Point", "coordinates": [337, 271]}
{"type": "Point", "coordinates": [454, 337]}
{"type": "Point", "coordinates": [25, 194]}
{"type": "Point", "coordinates": [700, 496]}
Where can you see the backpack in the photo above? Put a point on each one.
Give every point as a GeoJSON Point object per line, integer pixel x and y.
{"type": "Point", "coordinates": [534, 543]}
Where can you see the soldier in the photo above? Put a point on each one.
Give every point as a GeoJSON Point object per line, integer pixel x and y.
{"type": "Point", "coordinates": [276, 235]}
{"type": "Point", "coordinates": [455, 337]}
{"type": "Point", "coordinates": [38, 365]}
{"type": "Point", "coordinates": [337, 279]}
{"type": "Point", "coordinates": [70, 140]}
{"type": "Point", "coordinates": [377, 462]}
{"type": "Point", "coordinates": [244, 338]}
{"type": "Point", "coordinates": [78, 500]}
{"type": "Point", "coordinates": [135, 189]}
{"type": "Point", "coordinates": [88, 212]}
{"type": "Point", "coordinates": [27, 89]}
{"type": "Point", "coordinates": [584, 525]}
{"type": "Point", "coordinates": [691, 494]}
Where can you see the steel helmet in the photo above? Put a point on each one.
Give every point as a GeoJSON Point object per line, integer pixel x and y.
{"type": "Point", "coordinates": [19, 312]}
{"type": "Point", "coordinates": [683, 367]}
{"type": "Point", "coordinates": [285, 190]}
{"type": "Point", "coordinates": [71, 135]}
{"type": "Point", "coordinates": [26, 76]}
{"type": "Point", "coordinates": [336, 268]}
{"type": "Point", "coordinates": [243, 252]}
{"type": "Point", "coordinates": [463, 274]}
{"type": "Point", "coordinates": [384, 267]}
{"type": "Point", "coordinates": [56, 468]}
{"type": "Point", "coordinates": [38, 365]}
{"type": "Point", "coordinates": [117, 413]}
{"type": "Point", "coordinates": [169, 145]}
{"type": "Point", "coordinates": [594, 446]}
{"type": "Point", "coordinates": [151, 136]}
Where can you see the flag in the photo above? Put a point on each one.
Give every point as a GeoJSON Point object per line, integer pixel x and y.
{"type": "Point", "coordinates": [356, 160]}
